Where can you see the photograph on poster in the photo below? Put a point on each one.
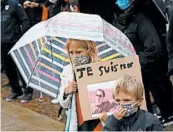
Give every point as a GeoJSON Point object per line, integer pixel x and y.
{"type": "Point", "coordinates": [100, 98]}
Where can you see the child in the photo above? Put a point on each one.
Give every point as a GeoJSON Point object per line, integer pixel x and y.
{"type": "Point", "coordinates": [80, 52]}
{"type": "Point", "coordinates": [128, 95]}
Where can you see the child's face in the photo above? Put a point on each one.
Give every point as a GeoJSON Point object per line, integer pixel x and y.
{"type": "Point", "coordinates": [76, 50]}
{"type": "Point", "coordinates": [78, 54]}
{"type": "Point", "coordinates": [123, 98]}
{"type": "Point", "coordinates": [126, 102]}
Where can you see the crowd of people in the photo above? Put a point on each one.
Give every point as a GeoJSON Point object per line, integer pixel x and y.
{"type": "Point", "coordinates": [152, 41]}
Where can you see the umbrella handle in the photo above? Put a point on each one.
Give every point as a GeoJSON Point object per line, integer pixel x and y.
{"type": "Point", "coordinates": [67, 126]}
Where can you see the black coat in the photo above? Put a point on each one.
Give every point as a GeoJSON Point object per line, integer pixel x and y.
{"type": "Point", "coordinates": [13, 17]}
{"type": "Point", "coordinates": [169, 7]}
{"type": "Point", "coordinates": [54, 9]}
{"type": "Point", "coordinates": [140, 121]}
{"type": "Point", "coordinates": [35, 14]}
{"type": "Point", "coordinates": [104, 8]}
{"type": "Point", "coordinates": [142, 34]}
{"type": "Point", "coordinates": [170, 47]}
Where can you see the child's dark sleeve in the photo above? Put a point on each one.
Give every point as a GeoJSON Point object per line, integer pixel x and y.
{"type": "Point", "coordinates": [156, 126]}
{"type": "Point", "coordinates": [112, 124]}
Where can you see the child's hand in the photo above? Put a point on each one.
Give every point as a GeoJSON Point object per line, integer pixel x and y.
{"type": "Point", "coordinates": [103, 117]}
{"type": "Point", "coordinates": [71, 88]}
{"type": "Point", "coordinates": [119, 112]}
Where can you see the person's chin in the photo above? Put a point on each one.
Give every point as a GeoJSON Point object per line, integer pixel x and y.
{"type": "Point", "coordinates": [97, 104]}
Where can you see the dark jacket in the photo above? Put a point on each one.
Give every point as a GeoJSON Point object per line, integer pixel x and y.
{"type": "Point", "coordinates": [35, 14]}
{"type": "Point", "coordinates": [170, 47]}
{"type": "Point", "coordinates": [104, 8]}
{"type": "Point", "coordinates": [139, 121]}
{"type": "Point", "coordinates": [169, 7]}
{"type": "Point", "coordinates": [142, 34]}
{"type": "Point", "coordinates": [54, 9]}
{"type": "Point", "coordinates": [14, 21]}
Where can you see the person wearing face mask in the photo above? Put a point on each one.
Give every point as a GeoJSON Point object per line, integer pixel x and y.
{"type": "Point", "coordinates": [80, 52]}
{"type": "Point", "coordinates": [70, 6]}
{"type": "Point", "coordinates": [152, 56]}
{"type": "Point", "coordinates": [128, 116]}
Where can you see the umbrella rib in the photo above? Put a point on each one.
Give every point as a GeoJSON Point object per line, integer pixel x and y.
{"type": "Point", "coordinates": [52, 63]}
{"type": "Point", "coordinates": [34, 68]}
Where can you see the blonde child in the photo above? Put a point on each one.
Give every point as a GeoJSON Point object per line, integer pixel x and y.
{"type": "Point", "coordinates": [80, 52]}
{"type": "Point", "coordinates": [127, 116]}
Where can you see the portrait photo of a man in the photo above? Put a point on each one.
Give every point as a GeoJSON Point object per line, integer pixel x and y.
{"type": "Point", "coordinates": [100, 98]}
{"type": "Point", "coordinates": [100, 103]}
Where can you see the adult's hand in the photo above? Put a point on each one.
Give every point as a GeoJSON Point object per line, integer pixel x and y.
{"type": "Point", "coordinates": [26, 4]}
{"type": "Point", "coordinates": [33, 5]}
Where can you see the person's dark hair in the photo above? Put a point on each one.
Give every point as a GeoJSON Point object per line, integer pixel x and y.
{"type": "Point", "coordinates": [101, 90]}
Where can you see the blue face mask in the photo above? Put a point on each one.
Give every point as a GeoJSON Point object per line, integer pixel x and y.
{"type": "Point", "coordinates": [123, 4]}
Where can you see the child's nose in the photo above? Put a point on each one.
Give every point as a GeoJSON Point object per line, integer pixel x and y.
{"type": "Point", "coordinates": [74, 54]}
{"type": "Point", "coordinates": [121, 103]}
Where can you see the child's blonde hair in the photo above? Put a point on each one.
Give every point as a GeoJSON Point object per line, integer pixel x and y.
{"type": "Point", "coordinates": [86, 44]}
{"type": "Point", "coordinates": [129, 85]}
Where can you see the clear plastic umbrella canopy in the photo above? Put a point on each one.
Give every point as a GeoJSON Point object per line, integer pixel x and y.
{"type": "Point", "coordinates": [40, 53]}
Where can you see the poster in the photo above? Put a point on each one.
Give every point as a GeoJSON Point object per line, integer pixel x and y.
{"type": "Point", "coordinates": [101, 75]}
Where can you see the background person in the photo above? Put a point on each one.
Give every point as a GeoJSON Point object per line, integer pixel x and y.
{"type": "Point", "coordinates": [14, 23]}
{"type": "Point", "coordinates": [36, 11]}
